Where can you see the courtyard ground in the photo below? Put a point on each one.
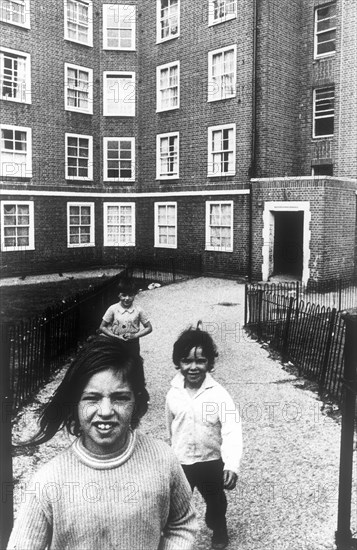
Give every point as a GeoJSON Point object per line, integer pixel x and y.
{"type": "Point", "coordinates": [286, 496]}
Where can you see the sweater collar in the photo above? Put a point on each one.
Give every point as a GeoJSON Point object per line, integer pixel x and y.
{"type": "Point", "coordinates": [104, 462]}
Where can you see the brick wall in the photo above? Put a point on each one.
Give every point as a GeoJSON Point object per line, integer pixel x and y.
{"type": "Point", "coordinates": [52, 254]}
{"type": "Point", "coordinates": [332, 204]}
{"type": "Point", "coordinates": [195, 114]}
{"type": "Point", "coordinates": [279, 59]}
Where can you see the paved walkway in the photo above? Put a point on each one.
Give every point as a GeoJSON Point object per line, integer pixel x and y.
{"type": "Point", "coordinates": [286, 498]}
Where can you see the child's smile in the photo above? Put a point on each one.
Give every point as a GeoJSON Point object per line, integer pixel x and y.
{"type": "Point", "coordinates": [194, 368]}
{"type": "Point", "coordinates": [126, 300]}
{"type": "Point", "coordinates": [105, 411]}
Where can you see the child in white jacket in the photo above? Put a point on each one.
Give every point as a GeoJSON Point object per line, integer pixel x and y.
{"type": "Point", "coordinates": [204, 428]}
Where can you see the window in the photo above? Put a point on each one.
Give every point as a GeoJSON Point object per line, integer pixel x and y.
{"type": "Point", "coordinates": [166, 224]}
{"type": "Point", "coordinates": [78, 15]}
{"type": "Point", "coordinates": [222, 73]}
{"type": "Point", "coordinates": [119, 26]}
{"type": "Point", "coordinates": [167, 90]}
{"type": "Point", "coordinates": [167, 156]}
{"type": "Point", "coordinates": [15, 76]}
{"type": "Point", "coordinates": [80, 229]}
{"type": "Point", "coordinates": [119, 159]}
{"type": "Point", "coordinates": [322, 170]}
{"type": "Point", "coordinates": [324, 112]}
{"type": "Point", "coordinates": [17, 226]}
{"type": "Point", "coordinates": [168, 18]}
{"type": "Point", "coordinates": [325, 30]}
{"type": "Point", "coordinates": [222, 150]}
{"type": "Point", "coordinates": [119, 94]}
{"type": "Point", "coordinates": [219, 226]}
{"type": "Point", "coordinates": [16, 12]}
{"type": "Point", "coordinates": [16, 152]}
{"type": "Point", "coordinates": [221, 10]}
{"type": "Point", "coordinates": [78, 89]}
{"type": "Point", "coordinates": [119, 224]}
{"type": "Point", "coordinates": [79, 157]}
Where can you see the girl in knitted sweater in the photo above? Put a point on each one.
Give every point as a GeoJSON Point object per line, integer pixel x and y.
{"type": "Point", "coordinates": [113, 488]}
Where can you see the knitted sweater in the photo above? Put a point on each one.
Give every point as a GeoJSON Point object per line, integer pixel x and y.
{"type": "Point", "coordinates": [78, 501]}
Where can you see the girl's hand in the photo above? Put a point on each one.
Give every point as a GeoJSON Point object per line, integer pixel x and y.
{"type": "Point", "coordinates": [129, 336]}
{"type": "Point", "coordinates": [229, 479]}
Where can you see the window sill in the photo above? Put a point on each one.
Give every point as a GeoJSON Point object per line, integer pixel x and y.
{"type": "Point", "coordinates": [222, 20]}
{"type": "Point", "coordinates": [163, 40]}
{"type": "Point", "coordinates": [216, 249]}
{"type": "Point", "coordinates": [167, 110]}
{"type": "Point", "coordinates": [87, 45]}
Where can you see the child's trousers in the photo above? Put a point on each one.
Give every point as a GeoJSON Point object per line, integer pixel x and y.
{"type": "Point", "coordinates": [208, 478]}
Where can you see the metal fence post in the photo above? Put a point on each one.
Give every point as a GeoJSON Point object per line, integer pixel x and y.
{"type": "Point", "coordinates": [343, 533]}
{"type": "Point", "coordinates": [172, 261]}
{"type": "Point", "coordinates": [260, 305]}
{"type": "Point", "coordinates": [297, 298]}
{"type": "Point", "coordinates": [6, 483]}
{"type": "Point", "coordinates": [327, 349]}
{"type": "Point", "coordinates": [245, 304]}
{"type": "Point", "coordinates": [339, 294]}
{"type": "Point", "coordinates": [284, 352]}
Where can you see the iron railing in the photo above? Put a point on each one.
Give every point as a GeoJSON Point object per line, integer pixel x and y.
{"type": "Point", "coordinates": [340, 294]}
{"type": "Point", "coordinates": [164, 270]}
{"type": "Point", "coordinates": [37, 347]}
{"type": "Point", "coordinates": [310, 336]}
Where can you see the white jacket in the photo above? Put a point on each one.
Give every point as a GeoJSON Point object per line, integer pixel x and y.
{"type": "Point", "coordinates": [205, 426]}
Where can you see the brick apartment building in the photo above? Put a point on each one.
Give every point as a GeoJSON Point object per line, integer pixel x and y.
{"type": "Point", "coordinates": [219, 129]}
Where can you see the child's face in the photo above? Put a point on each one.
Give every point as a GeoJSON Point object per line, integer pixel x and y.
{"type": "Point", "coordinates": [105, 410]}
{"type": "Point", "coordinates": [126, 300]}
{"type": "Point", "coordinates": [194, 368]}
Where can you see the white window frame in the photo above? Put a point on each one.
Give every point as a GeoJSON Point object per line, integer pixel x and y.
{"type": "Point", "coordinates": [209, 246]}
{"type": "Point", "coordinates": [129, 16]}
{"type": "Point", "coordinates": [159, 18]}
{"type": "Point", "coordinates": [128, 92]}
{"type": "Point", "coordinates": [8, 16]}
{"type": "Point", "coordinates": [89, 26]}
{"type": "Point", "coordinates": [212, 20]}
{"type": "Point", "coordinates": [78, 89]}
{"type": "Point", "coordinates": [318, 33]}
{"type": "Point", "coordinates": [80, 205]}
{"type": "Point", "coordinates": [31, 226]}
{"type": "Point", "coordinates": [106, 159]}
{"type": "Point", "coordinates": [107, 241]}
{"type": "Point", "coordinates": [22, 81]}
{"type": "Point", "coordinates": [159, 90]}
{"type": "Point", "coordinates": [214, 169]}
{"type": "Point", "coordinates": [318, 116]}
{"type": "Point", "coordinates": [166, 225]}
{"type": "Point", "coordinates": [216, 92]}
{"type": "Point", "coordinates": [25, 167]}
{"type": "Point", "coordinates": [89, 177]}
{"type": "Point", "coordinates": [159, 138]}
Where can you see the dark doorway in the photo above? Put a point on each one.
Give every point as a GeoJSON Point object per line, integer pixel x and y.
{"type": "Point", "coordinates": [288, 243]}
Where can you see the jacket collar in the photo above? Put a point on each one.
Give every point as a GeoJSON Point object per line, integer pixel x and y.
{"type": "Point", "coordinates": [179, 382]}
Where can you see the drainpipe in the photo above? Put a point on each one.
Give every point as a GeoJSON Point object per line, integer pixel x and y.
{"type": "Point", "coordinates": [252, 168]}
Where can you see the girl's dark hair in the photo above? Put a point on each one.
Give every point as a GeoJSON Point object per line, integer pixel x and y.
{"type": "Point", "coordinates": [194, 338]}
{"type": "Point", "coordinates": [100, 354]}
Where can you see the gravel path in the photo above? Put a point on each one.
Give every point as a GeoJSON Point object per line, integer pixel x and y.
{"type": "Point", "coordinates": [286, 498]}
